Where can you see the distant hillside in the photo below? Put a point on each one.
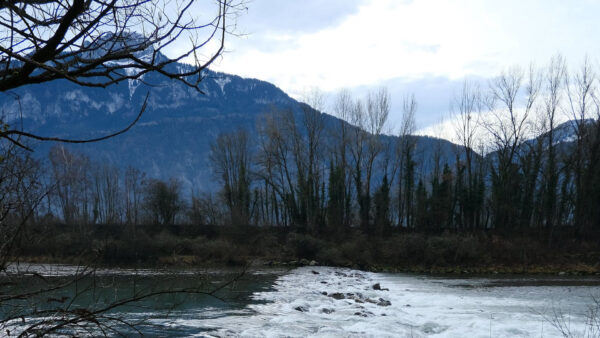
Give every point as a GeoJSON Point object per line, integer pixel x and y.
{"type": "Point", "coordinates": [173, 137]}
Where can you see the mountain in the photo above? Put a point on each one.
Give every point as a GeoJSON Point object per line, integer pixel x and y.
{"type": "Point", "coordinates": [564, 136]}
{"type": "Point", "coordinates": [173, 137]}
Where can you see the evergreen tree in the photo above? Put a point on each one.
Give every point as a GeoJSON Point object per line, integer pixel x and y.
{"type": "Point", "coordinates": [336, 197]}
{"type": "Point", "coordinates": [382, 206]}
{"type": "Point", "coordinates": [422, 219]}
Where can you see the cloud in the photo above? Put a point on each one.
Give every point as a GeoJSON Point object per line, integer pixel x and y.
{"type": "Point", "coordinates": [295, 17]}
{"type": "Point", "coordinates": [432, 93]}
{"type": "Point", "coordinates": [371, 43]}
{"type": "Point", "coordinates": [275, 25]}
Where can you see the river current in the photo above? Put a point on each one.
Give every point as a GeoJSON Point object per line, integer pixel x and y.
{"type": "Point", "coordinates": [338, 302]}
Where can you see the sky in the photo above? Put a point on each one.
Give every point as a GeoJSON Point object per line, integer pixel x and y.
{"type": "Point", "coordinates": [421, 47]}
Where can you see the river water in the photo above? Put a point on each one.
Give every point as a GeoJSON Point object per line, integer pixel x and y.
{"type": "Point", "coordinates": [337, 302]}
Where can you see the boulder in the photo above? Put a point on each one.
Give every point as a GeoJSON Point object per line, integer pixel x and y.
{"type": "Point", "coordinates": [337, 295]}
{"type": "Point", "coordinates": [378, 287]}
{"type": "Point", "coordinates": [384, 302]}
{"type": "Point", "coordinates": [301, 309]}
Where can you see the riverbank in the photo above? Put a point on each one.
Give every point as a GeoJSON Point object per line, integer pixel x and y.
{"type": "Point", "coordinates": [182, 262]}
{"type": "Point", "coordinates": [443, 253]}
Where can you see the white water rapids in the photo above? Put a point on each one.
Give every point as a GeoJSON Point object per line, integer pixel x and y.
{"type": "Point", "coordinates": [334, 302]}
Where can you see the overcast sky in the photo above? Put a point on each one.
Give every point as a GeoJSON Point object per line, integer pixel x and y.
{"type": "Point", "coordinates": [425, 47]}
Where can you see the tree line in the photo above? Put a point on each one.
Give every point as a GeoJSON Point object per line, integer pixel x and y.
{"type": "Point", "coordinates": [512, 170]}
{"type": "Point", "coordinates": [509, 172]}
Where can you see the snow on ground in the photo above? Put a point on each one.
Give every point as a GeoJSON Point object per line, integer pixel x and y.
{"type": "Point", "coordinates": [222, 81]}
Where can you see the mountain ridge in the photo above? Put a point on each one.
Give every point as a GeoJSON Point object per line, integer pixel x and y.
{"type": "Point", "coordinates": [173, 136]}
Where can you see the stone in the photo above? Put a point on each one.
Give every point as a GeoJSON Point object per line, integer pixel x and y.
{"type": "Point", "coordinates": [337, 295]}
{"type": "Point", "coordinates": [301, 309]}
{"type": "Point", "coordinates": [383, 302]}
{"type": "Point", "coordinates": [378, 287]}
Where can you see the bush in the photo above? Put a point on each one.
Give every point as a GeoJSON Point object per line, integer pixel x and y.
{"type": "Point", "coordinates": [441, 250]}
{"type": "Point", "coordinates": [411, 248]}
{"type": "Point", "coordinates": [470, 250]}
{"type": "Point", "coordinates": [218, 251]}
{"type": "Point", "coordinates": [357, 251]}
{"type": "Point", "coordinates": [304, 246]}
{"type": "Point", "coordinates": [331, 256]}
{"type": "Point", "coordinates": [265, 245]}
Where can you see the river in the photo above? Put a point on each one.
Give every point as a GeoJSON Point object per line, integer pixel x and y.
{"type": "Point", "coordinates": [335, 302]}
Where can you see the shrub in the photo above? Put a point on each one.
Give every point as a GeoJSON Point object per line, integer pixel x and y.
{"type": "Point", "coordinates": [357, 250]}
{"type": "Point", "coordinates": [441, 250]}
{"type": "Point", "coordinates": [411, 248]}
{"type": "Point", "coordinates": [304, 246]}
{"type": "Point", "coordinates": [470, 250]}
{"type": "Point", "coordinates": [331, 256]}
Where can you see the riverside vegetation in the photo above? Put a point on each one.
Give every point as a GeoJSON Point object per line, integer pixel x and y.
{"type": "Point", "coordinates": [189, 245]}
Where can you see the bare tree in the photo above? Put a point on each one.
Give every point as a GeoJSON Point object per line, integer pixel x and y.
{"type": "Point", "coordinates": [133, 194]}
{"type": "Point", "coordinates": [206, 210]}
{"type": "Point", "coordinates": [107, 208]}
{"type": "Point", "coordinates": [71, 173]}
{"type": "Point", "coordinates": [340, 183]}
{"type": "Point", "coordinates": [230, 156]}
{"type": "Point", "coordinates": [405, 155]}
{"type": "Point", "coordinates": [101, 43]}
{"type": "Point", "coordinates": [553, 89]}
{"type": "Point", "coordinates": [357, 152]}
{"type": "Point", "coordinates": [468, 106]}
{"type": "Point", "coordinates": [371, 120]}
{"type": "Point", "coordinates": [583, 107]}
{"type": "Point", "coordinates": [512, 100]}
{"type": "Point", "coordinates": [21, 191]}
{"type": "Point", "coordinates": [308, 154]}
{"type": "Point", "coordinates": [276, 165]}
{"type": "Point", "coordinates": [290, 158]}
{"type": "Point", "coordinates": [163, 200]}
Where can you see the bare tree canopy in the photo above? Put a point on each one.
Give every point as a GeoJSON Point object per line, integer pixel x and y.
{"type": "Point", "coordinates": [99, 43]}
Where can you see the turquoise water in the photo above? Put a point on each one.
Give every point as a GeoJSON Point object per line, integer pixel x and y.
{"type": "Point", "coordinates": [161, 297]}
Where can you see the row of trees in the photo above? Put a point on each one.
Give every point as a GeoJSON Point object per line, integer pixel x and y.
{"type": "Point", "coordinates": [319, 174]}
{"type": "Point", "coordinates": [71, 188]}
{"type": "Point", "coordinates": [512, 171]}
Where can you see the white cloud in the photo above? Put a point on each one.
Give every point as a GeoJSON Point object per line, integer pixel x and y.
{"type": "Point", "coordinates": [371, 43]}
